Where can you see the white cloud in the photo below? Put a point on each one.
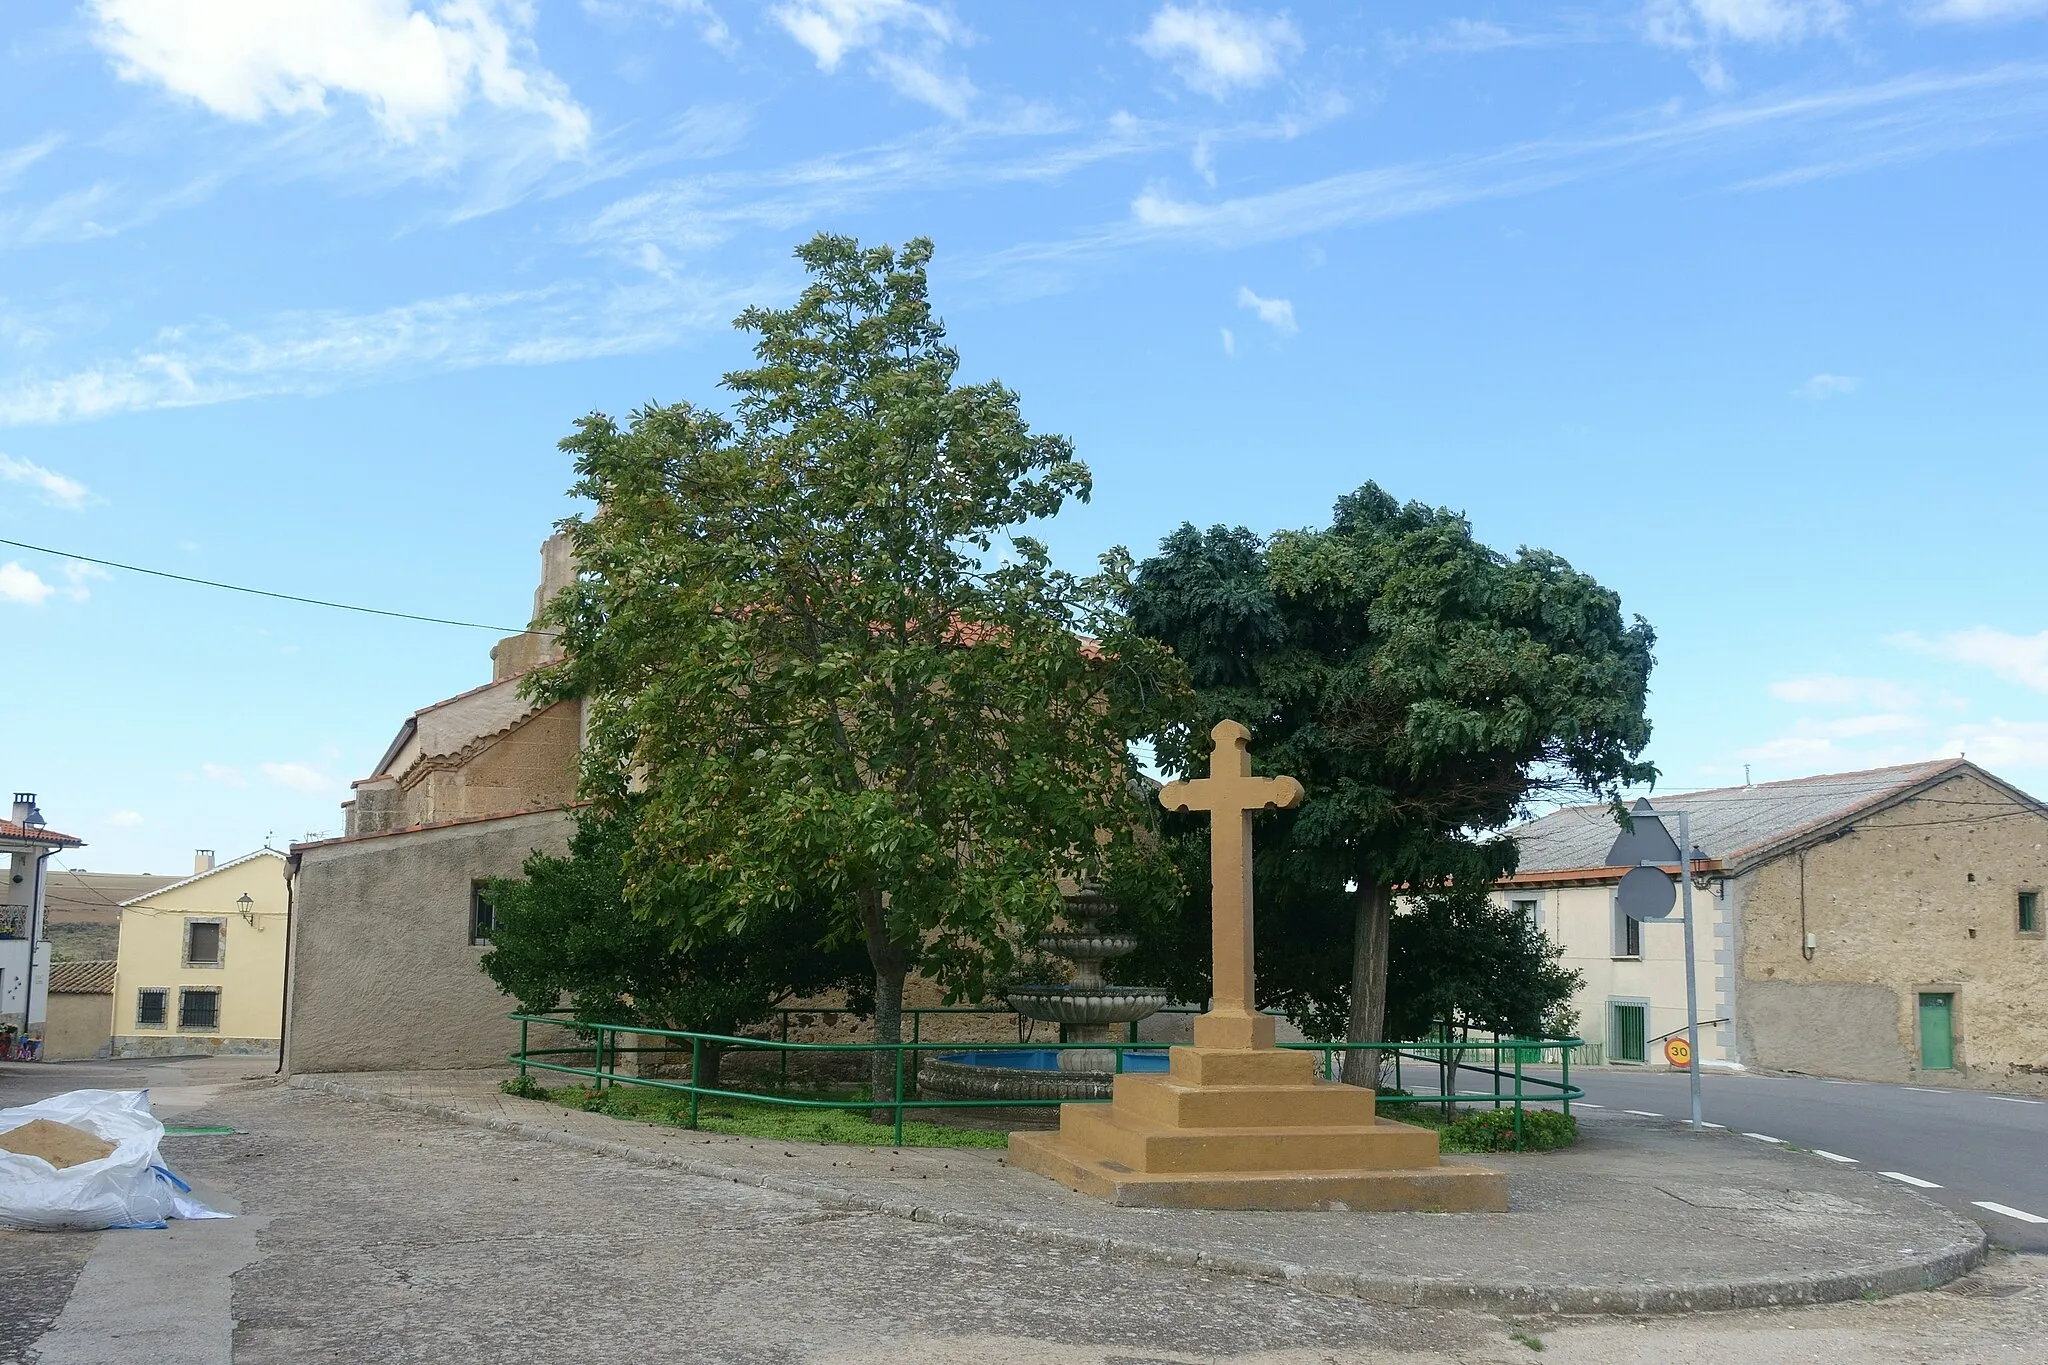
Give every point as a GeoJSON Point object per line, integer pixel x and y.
{"type": "Point", "coordinates": [1861, 727]}
{"type": "Point", "coordinates": [1229, 341]}
{"type": "Point", "coordinates": [2000, 744]}
{"type": "Point", "coordinates": [1219, 51]}
{"type": "Point", "coordinates": [1275, 313]}
{"type": "Point", "coordinates": [225, 774]}
{"type": "Point", "coordinates": [303, 777]}
{"type": "Point", "coordinates": [56, 489]}
{"type": "Point", "coordinates": [710, 26]}
{"type": "Point", "coordinates": [1686, 24]}
{"type": "Point", "coordinates": [1980, 11]}
{"type": "Point", "coordinates": [2016, 658]}
{"type": "Point", "coordinates": [908, 42]}
{"type": "Point", "coordinates": [125, 819]}
{"type": "Point", "coordinates": [1832, 689]}
{"type": "Point", "coordinates": [77, 574]}
{"type": "Point", "coordinates": [1828, 386]}
{"type": "Point", "coordinates": [23, 587]}
{"type": "Point", "coordinates": [415, 70]}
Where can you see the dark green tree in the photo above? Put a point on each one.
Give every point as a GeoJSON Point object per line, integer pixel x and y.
{"type": "Point", "coordinates": [1423, 687]}
{"type": "Point", "coordinates": [816, 636]}
{"type": "Point", "coordinates": [1459, 958]}
{"type": "Point", "coordinates": [565, 934]}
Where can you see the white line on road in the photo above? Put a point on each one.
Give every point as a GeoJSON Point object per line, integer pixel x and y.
{"type": "Point", "coordinates": [1705, 1124]}
{"type": "Point", "coordinates": [1765, 1137]}
{"type": "Point", "coordinates": [1588, 1104]}
{"type": "Point", "coordinates": [2010, 1100]}
{"type": "Point", "coordinates": [1836, 1156]}
{"type": "Point", "coordinates": [1845, 1082]}
{"type": "Point", "coordinates": [1915, 1181]}
{"type": "Point", "coordinates": [1642, 1113]}
{"type": "Point", "coordinates": [1922, 1090]}
{"type": "Point", "coordinates": [2020, 1214]}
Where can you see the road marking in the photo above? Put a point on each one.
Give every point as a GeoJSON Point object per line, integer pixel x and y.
{"type": "Point", "coordinates": [1845, 1082]}
{"type": "Point", "coordinates": [1588, 1104]}
{"type": "Point", "coordinates": [1922, 1090]}
{"type": "Point", "coordinates": [1836, 1156]}
{"type": "Point", "coordinates": [1765, 1137]}
{"type": "Point", "coordinates": [1915, 1181]}
{"type": "Point", "coordinates": [2008, 1099]}
{"type": "Point", "coordinates": [1705, 1124]}
{"type": "Point", "coordinates": [2020, 1214]}
{"type": "Point", "coordinates": [1642, 1113]}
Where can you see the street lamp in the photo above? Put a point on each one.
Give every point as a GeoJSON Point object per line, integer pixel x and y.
{"type": "Point", "coordinates": [247, 907]}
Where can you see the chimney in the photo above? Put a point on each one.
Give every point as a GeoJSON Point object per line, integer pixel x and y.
{"type": "Point", "coordinates": [25, 808]}
{"type": "Point", "coordinates": [202, 860]}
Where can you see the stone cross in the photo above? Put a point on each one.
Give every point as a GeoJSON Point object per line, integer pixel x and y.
{"type": "Point", "coordinates": [1232, 796]}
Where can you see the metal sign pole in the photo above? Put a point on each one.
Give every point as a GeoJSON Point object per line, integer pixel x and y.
{"type": "Point", "coordinates": [1692, 991]}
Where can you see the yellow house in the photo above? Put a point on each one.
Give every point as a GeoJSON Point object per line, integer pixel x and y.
{"type": "Point", "coordinates": [200, 968]}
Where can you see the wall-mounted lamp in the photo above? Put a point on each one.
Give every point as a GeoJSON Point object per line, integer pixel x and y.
{"type": "Point", "coordinates": [247, 907]}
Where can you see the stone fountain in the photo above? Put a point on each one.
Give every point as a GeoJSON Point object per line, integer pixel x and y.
{"type": "Point", "coordinates": [1087, 1009]}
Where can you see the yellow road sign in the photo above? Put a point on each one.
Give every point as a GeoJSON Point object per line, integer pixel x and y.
{"type": "Point", "coordinates": [1677, 1052]}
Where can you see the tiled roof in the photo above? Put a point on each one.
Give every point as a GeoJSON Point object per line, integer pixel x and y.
{"type": "Point", "coordinates": [449, 823]}
{"type": "Point", "coordinates": [81, 978]}
{"type": "Point", "coordinates": [1738, 825]}
{"type": "Point", "coordinates": [38, 834]}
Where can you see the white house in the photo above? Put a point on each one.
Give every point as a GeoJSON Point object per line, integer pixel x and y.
{"type": "Point", "coordinates": [24, 953]}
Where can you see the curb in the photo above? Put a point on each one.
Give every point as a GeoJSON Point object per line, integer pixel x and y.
{"type": "Point", "coordinates": [1922, 1272]}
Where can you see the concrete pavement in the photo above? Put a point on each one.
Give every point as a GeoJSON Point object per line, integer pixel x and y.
{"type": "Point", "coordinates": [1967, 1149]}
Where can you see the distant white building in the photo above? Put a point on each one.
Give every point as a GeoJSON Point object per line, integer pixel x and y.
{"type": "Point", "coordinates": [24, 954]}
{"type": "Point", "coordinates": [1881, 925]}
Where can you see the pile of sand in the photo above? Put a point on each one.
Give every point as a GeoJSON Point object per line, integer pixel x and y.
{"type": "Point", "coordinates": [60, 1144]}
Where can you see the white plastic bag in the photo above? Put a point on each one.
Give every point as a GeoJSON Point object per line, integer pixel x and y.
{"type": "Point", "coordinates": [130, 1188]}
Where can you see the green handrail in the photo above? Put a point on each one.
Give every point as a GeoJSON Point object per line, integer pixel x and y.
{"type": "Point", "coordinates": [605, 1046]}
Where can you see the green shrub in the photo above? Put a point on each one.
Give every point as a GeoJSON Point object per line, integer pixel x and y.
{"type": "Point", "coordinates": [1493, 1130]}
{"type": "Point", "coordinates": [523, 1086]}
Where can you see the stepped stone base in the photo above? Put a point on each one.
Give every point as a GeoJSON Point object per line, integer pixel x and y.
{"type": "Point", "coordinates": [1233, 1128]}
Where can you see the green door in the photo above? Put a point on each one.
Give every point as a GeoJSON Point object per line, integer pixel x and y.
{"type": "Point", "coordinates": [1628, 1033]}
{"type": "Point", "coordinates": [1937, 1033]}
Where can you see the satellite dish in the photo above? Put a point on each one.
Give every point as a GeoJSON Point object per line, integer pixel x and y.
{"type": "Point", "coordinates": [1645, 841]}
{"type": "Point", "coordinates": [1646, 893]}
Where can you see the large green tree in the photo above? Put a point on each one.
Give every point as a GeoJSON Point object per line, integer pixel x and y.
{"type": "Point", "coordinates": [1422, 686]}
{"type": "Point", "coordinates": [566, 933]}
{"type": "Point", "coordinates": [818, 644]}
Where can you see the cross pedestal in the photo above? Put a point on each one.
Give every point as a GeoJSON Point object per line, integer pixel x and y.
{"type": "Point", "coordinates": [1236, 1122]}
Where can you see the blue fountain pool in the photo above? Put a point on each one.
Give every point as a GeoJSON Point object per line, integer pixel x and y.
{"type": "Point", "coordinates": [1046, 1059]}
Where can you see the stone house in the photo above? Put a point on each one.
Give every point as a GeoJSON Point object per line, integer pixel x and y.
{"type": "Point", "coordinates": [1883, 925]}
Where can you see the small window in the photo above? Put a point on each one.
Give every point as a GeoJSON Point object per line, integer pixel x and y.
{"type": "Point", "coordinates": [1529, 913]}
{"type": "Point", "coordinates": [2030, 912]}
{"type": "Point", "coordinates": [199, 1007]}
{"type": "Point", "coordinates": [1628, 935]}
{"type": "Point", "coordinates": [150, 1004]}
{"type": "Point", "coordinates": [203, 942]}
{"type": "Point", "coordinates": [483, 916]}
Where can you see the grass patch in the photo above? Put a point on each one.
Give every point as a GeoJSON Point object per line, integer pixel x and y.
{"type": "Point", "coordinates": [1528, 1339]}
{"type": "Point", "coordinates": [1493, 1130]}
{"type": "Point", "coordinates": [748, 1118]}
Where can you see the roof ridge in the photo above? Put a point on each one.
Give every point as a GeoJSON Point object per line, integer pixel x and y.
{"type": "Point", "coordinates": [200, 876]}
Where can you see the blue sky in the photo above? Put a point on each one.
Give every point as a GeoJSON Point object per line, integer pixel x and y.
{"type": "Point", "coordinates": [1737, 304]}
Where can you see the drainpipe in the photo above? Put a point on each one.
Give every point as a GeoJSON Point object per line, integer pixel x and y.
{"type": "Point", "coordinates": [284, 1003]}
{"type": "Point", "coordinates": [35, 931]}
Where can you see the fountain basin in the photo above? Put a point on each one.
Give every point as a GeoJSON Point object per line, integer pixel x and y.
{"type": "Point", "coordinates": [1023, 1074]}
{"type": "Point", "coordinates": [1086, 1004]}
{"type": "Point", "coordinates": [1092, 947]}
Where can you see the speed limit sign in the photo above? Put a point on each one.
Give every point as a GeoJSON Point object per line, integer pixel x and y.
{"type": "Point", "coordinates": [1677, 1052]}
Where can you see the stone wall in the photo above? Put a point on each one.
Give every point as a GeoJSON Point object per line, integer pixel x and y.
{"type": "Point", "coordinates": [384, 976]}
{"type": "Point", "coordinates": [1921, 896]}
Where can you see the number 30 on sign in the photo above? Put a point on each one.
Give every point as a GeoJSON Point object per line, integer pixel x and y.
{"type": "Point", "coordinates": [1677, 1052]}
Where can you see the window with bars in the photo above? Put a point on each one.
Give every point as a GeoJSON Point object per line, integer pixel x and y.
{"type": "Point", "coordinates": [483, 916]}
{"type": "Point", "coordinates": [203, 942]}
{"type": "Point", "coordinates": [151, 1003]}
{"type": "Point", "coordinates": [2030, 912]}
{"type": "Point", "coordinates": [199, 1007]}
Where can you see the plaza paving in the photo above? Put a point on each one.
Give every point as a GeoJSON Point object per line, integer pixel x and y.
{"type": "Point", "coordinates": [375, 1233]}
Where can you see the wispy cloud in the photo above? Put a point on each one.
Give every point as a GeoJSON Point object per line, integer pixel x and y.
{"type": "Point", "coordinates": [1828, 386]}
{"type": "Point", "coordinates": [1229, 341]}
{"type": "Point", "coordinates": [906, 43]}
{"type": "Point", "coordinates": [711, 27]}
{"type": "Point", "coordinates": [1979, 11]}
{"type": "Point", "coordinates": [125, 819]}
{"type": "Point", "coordinates": [1924, 111]}
{"type": "Point", "coordinates": [301, 777]}
{"type": "Point", "coordinates": [1218, 51]}
{"type": "Point", "coordinates": [1275, 313]}
{"type": "Point", "coordinates": [58, 490]}
{"type": "Point", "coordinates": [225, 774]}
{"type": "Point", "coordinates": [2022, 659]}
{"type": "Point", "coordinates": [1832, 689]}
{"type": "Point", "coordinates": [2001, 744]}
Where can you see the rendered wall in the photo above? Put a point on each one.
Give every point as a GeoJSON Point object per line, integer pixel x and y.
{"type": "Point", "coordinates": [1919, 897]}
{"type": "Point", "coordinates": [250, 976]}
{"type": "Point", "coordinates": [80, 1027]}
{"type": "Point", "coordinates": [384, 976]}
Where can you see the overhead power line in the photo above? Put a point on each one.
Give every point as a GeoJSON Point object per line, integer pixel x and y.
{"type": "Point", "coordinates": [279, 596]}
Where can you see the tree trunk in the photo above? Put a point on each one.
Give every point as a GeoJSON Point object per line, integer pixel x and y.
{"type": "Point", "coordinates": [891, 962]}
{"type": "Point", "coordinates": [1368, 984]}
{"type": "Point", "coordinates": [709, 1055]}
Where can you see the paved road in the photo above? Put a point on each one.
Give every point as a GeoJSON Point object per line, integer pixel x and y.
{"type": "Point", "coordinates": [1970, 1148]}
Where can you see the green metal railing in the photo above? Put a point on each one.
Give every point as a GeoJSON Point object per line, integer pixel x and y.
{"type": "Point", "coordinates": [1514, 1083]}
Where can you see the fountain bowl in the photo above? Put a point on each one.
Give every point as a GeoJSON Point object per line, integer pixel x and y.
{"type": "Point", "coordinates": [1087, 1004]}
{"type": "Point", "coordinates": [1092, 947]}
{"type": "Point", "coordinates": [1023, 1074]}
